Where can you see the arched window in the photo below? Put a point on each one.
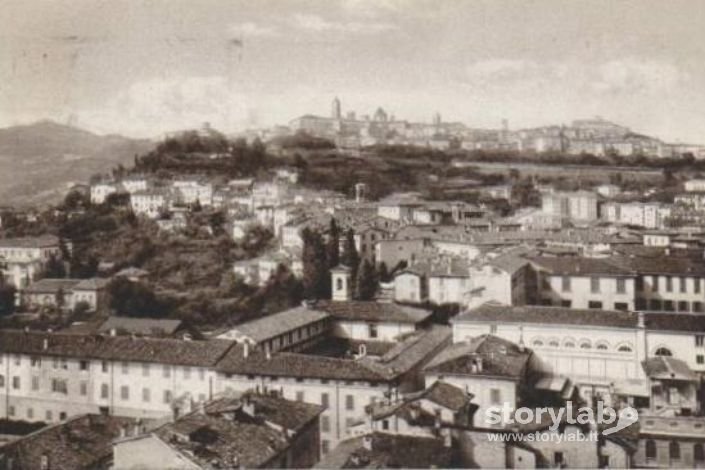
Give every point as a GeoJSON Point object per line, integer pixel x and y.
{"type": "Point", "coordinates": [602, 346]}
{"type": "Point", "coordinates": [569, 344]}
{"type": "Point", "coordinates": [585, 345]}
{"type": "Point", "coordinates": [674, 450]}
{"type": "Point", "coordinates": [663, 352]}
{"type": "Point", "coordinates": [650, 449]}
{"type": "Point", "coordinates": [339, 284]}
{"type": "Point", "coordinates": [538, 343]}
{"type": "Point", "coordinates": [698, 452]}
{"type": "Point", "coordinates": [624, 348]}
{"type": "Point", "coordinates": [553, 343]}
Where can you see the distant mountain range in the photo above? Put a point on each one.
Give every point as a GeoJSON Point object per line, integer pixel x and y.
{"type": "Point", "coordinates": [38, 161]}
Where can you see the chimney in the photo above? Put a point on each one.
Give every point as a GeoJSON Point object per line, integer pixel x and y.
{"type": "Point", "coordinates": [245, 349]}
{"type": "Point", "coordinates": [45, 344]}
{"type": "Point", "coordinates": [640, 322]}
{"type": "Point", "coordinates": [447, 438]}
{"type": "Point", "coordinates": [113, 332]}
{"type": "Point", "coordinates": [267, 352]}
{"type": "Point", "coordinates": [202, 407]}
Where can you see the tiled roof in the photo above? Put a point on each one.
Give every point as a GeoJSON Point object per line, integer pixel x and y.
{"type": "Point", "coordinates": [48, 285]}
{"type": "Point", "coordinates": [667, 368]}
{"type": "Point", "coordinates": [162, 350]}
{"type": "Point", "coordinates": [447, 395]}
{"type": "Point", "coordinates": [45, 241]}
{"type": "Point", "coordinates": [284, 364]}
{"type": "Point", "coordinates": [664, 321]}
{"type": "Point", "coordinates": [372, 311]}
{"type": "Point", "coordinates": [499, 358]}
{"type": "Point", "coordinates": [579, 266]}
{"type": "Point", "coordinates": [141, 326]}
{"type": "Point", "coordinates": [389, 451]}
{"type": "Point", "coordinates": [662, 264]}
{"type": "Point", "coordinates": [83, 442]}
{"type": "Point", "coordinates": [492, 312]}
{"type": "Point", "coordinates": [280, 323]}
{"type": "Point", "coordinates": [95, 283]}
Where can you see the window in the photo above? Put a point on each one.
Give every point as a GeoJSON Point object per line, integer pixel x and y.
{"type": "Point", "coordinates": [59, 386]}
{"type": "Point", "coordinates": [16, 382]}
{"type": "Point", "coordinates": [683, 285]}
{"type": "Point", "coordinates": [349, 402]}
{"type": "Point", "coordinates": [674, 451]}
{"type": "Point", "coordinates": [104, 391]}
{"type": "Point", "coordinates": [125, 392]}
{"type": "Point", "coordinates": [493, 329]}
{"type": "Point", "coordinates": [372, 330]}
{"type": "Point", "coordinates": [566, 303]}
{"type": "Point", "coordinates": [668, 305]}
{"type": "Point", "coordinates": [339, 284]}
{"type": "Point", "coordinates": [699, 340]}
{"type": "Point", "coordinates": [166, 372]}
{"type": "Point", "coordinates": [187, 373]}
{"type": "Point", "coordinates": [655, 305]}
{"type": "Point", "coordinates": [62, 416]}
{"type": "Point", "coordinates": [594, 285]}
{"type": "Point", "coordinates": [324, 399]}
{"type": "Point", "coordinates": [623, 306]}
{"type": "Point", "coordinates": [565, 284]}
{"type": "Point", "coordinates": [146, 395]}
{"type": "Point", "coordinates": [654, 283]}
{"type": "Point", "coordinates": [624, 348]}
{"type": "Point", "coordinates": [125, 368]}
{"type": "Point", "coordinates": [696, 285]}
{"type": "Point", "coordinates": [700, 359]}
{"type": "Point", "coordinates": [663, 352]}
{"type": "Point", "coordinates": [30, 413]}
{"type": "Point", "coordinates": [669, 284]}
{"type": "Point", "coordinates": [83, 365]}
{"type": "Point", "coordinates": [104, 366]}
{"type": "Point", "coordinates": [595, 305]}
{"type": "Point", "coordinates": [385, 424]}
{"type": "Point", "coordinates": [325, 424]}
{"type": "Point", "coordinates": [495, 396]}
{"type": "Point", "coordinates": [683, 306]}
{"type": "Point", "coordinates": [35, 362]}
{"type": "Point", "coordinates": [698, 452]}
{"type": "Point", "coordinates": [167, 396]}
{"type": "Point", "coordinates": [585, 345]}
{"type": "Point", "coordinates": [325, 446]}
{"type": "Point", "coordinates": [35, 383]}
{"type": "Point", "coordinates": [83, 388]}
{"type": "Point", "coordinates": [553, 343]}
{"type": "Point", "coordinates": [299, 396]}
{"type": "Point", "coordinates": [558, 459]}
{"type": "Point", "coordinates": [650, 449]}
{"type": "Point", "coordinates": [349, 422]}
{"type": "Point", "coordinates": [48, 416]}
{"type": "Point", "coordinates": [2, 381]}
{"type": "Point", "coordinates": [201, 374]}
{"type": "Point", "coordinates": [621, 285]}
{"type": "Point", "coordinates": [145, 370]}
{"type": "Point", "coordinates": [569, 344]}
{"type": "Point", "coordinates": [537, 343]}
{"type": "Point", "coordinates": [11, 410]}
{"type": "Point", "coordinates": [698, 307]}
{"type": "Point", "coordinates": [639, 284]}
{"type": "Point", "coordinates": [602, 346]}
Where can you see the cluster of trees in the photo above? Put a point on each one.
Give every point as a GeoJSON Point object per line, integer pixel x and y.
{"type": "Point", "coordinates": [322, 253]}
{"type": "Point", "coordinates": [7, 297]}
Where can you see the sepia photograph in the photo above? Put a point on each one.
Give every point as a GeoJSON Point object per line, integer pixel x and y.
{"type": "Point", "coordinates": [352, 234]}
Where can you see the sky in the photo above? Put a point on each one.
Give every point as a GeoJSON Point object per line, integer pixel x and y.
{"type": "Point", "coordinates": [145, 67]}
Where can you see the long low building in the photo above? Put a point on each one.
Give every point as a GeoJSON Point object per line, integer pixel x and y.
{"type": "Point", "coordinates": [602, 351]}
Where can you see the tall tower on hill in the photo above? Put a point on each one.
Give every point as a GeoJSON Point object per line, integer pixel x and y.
{"type": "Point", "coordinates": [335, 109]}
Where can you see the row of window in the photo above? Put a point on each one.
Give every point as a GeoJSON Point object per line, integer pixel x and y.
{"type": "Point", "coordinates": [621, 284]}
{"type": "Point", "coordinates": [582, 344]}
{"type": "Point", "coordinates": [659, 305]}
{"type": "Point", "coordinates": [674, 451]}
{"type": "Point", "coordinates": [48, 415]}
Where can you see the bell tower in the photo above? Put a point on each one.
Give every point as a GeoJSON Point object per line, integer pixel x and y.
{"type": "Point", "coordinates": [341, 290]}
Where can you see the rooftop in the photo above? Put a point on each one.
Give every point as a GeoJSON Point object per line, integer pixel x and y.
{"type": "Point", "coordinates": [141, 326]}
{"type": "Point", "coordinates": [372, 311]}
{"type": "Point", "coordinates": [46, 241]}
{"type": "Point", "coordinates": [668, 368]}
{"type": "Point", "coordinates": [492, 312]}
{"type": "Point", "coordinates": [124, 348]}
{"type": "Point", "coordinates": [280, 323]}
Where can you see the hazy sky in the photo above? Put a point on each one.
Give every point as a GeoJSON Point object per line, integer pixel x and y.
{"type": "Point", "coordinates": [143, 67]}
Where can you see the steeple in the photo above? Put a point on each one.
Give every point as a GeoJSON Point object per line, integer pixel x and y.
{"type": "Point", "coordinates": [335, 108]}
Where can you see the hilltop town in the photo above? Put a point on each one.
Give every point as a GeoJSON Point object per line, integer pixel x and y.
{"type": "Point", "coordinates": [358, 292]}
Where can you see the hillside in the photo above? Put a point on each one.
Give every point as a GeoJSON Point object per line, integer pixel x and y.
{"type": "Point", "coordinates": [38, 161]}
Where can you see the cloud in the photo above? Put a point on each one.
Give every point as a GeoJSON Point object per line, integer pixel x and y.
{"type": "Point", "coordinates": [252, 29]}
{"type": "Point", "coordinates": [318, 24]}
{"type": "Point", "coordinates": [638, 76]}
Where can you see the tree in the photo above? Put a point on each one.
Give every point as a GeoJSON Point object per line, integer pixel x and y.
{"type": "Point", "coordinates": [316, 276]}
{"type": "Point", "coordinates": [134, 299]}
{"type": "Point", "coordinates": [7, 297]}
{"type": "Point", "coordinates": [383, 272]}
{"type": "Point", "coordinates": [55, 268]}
{"type": "Point", "coordinates": [366, 285]}
{"type": "Point", "coordinates": [350, 258]}
{"type": "Point", "coordinates": [333, 245]}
